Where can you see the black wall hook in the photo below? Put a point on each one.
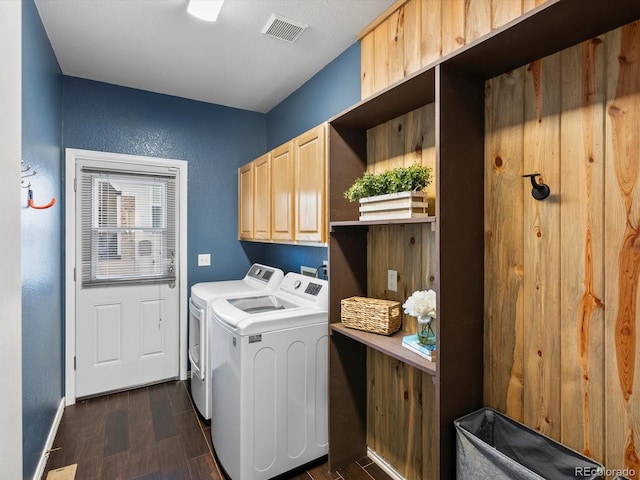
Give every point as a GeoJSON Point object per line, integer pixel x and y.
{"type": "Point", "coordinates": [540, 191]}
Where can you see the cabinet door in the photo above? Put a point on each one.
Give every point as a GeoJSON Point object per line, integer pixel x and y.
{"type": "Point", "coordinates": [310, 185]}
{"type": "Point", "coordinates": [262, 198]}
{"type": "Point", "coordinates": [245, 202]}
{"type": "Point", "coordinates": [282, 192]}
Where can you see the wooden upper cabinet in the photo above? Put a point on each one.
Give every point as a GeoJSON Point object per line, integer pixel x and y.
{"type": "Point", "coordinates": [245, 202]}
{"type": "Point", "coordinates": [262, 197]}
{"type": "Point", "coordinates": [310, 185]}
{"type": "Point", "coordinates": [412, 34]}
{"type": "Point", "coordinates": [282, 192]}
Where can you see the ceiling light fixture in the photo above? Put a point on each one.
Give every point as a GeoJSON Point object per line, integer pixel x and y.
{"type": "Point", "coordinates": [206, 10]}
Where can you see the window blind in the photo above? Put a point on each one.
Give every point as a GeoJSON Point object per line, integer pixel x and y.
{"type": "Point", "coordinates": [128, 227]}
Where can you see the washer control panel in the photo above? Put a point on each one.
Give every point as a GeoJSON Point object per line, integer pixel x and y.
{"type": "Point", "coordinates": [309, 288]}
{"type": "Point", "coordinates": [313, 289]}
{"type": "Point", "coordinates": [262, 273]}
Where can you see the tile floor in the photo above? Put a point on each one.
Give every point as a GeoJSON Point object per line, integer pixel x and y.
{"type": "Point", "coordinates": [155, 433]}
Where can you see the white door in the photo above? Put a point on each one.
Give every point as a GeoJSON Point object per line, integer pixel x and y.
{"type": "Point", "coordinates": [127, 275]}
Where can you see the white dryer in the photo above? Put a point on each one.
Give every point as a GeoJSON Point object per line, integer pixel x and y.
{"type": "Point", "coordinates": [270, 359]}
{"type": "Point", "coordinates": [259, 278]}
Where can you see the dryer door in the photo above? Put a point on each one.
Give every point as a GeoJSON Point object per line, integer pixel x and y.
{"type": "Point", "coordinates": [197, 350]}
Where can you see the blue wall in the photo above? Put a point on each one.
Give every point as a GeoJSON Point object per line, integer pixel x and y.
{"type": "Point", "coordinates": [42, 323]}
{"type": "Point", "coordinates": [335, 88]}
{"type": "Point", "coordinates": [214, 140]}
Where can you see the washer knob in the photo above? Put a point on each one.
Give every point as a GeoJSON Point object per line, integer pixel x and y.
{"type": "Point", "coordinates": [297, 284]}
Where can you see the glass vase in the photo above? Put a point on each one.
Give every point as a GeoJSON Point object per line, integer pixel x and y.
{"type": "Point", "coordinates": [426, 333]}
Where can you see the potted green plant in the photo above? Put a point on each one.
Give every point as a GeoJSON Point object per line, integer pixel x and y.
{"type": "Point", "coordinates": [395, 193]}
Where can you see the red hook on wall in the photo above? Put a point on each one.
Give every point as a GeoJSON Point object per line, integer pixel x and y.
{"type": "Point", "coordinates": [40, 207]}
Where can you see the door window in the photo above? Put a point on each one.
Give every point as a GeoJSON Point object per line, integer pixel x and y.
{"type": "Point", "coordinates": [128, 227]}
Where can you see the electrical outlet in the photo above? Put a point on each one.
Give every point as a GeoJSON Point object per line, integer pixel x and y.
{"type": "Point", "coordinates": [204, 259]}
{"type": "Point", "coordinates": [392, 280]}
{"type": "Point", "coordinates": [308, 271]}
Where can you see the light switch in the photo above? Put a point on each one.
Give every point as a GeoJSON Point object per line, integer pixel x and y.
{"type": "Point", "coordinates": [204, 259]}
{"type": "Point", "coordinates": [392, 280]}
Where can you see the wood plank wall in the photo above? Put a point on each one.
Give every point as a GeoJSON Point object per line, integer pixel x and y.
{"type": "Point", "coordinates": [562, 275]}
{"type": "Point", "coordinates": [397, 426]}
{"type": "Point", "coordinates": [420, 32]}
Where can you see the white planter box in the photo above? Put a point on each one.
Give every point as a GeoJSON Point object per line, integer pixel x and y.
{"type": "Point", "coordinates": [394, 206]}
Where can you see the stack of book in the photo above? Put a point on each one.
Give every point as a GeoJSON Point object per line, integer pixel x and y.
{"type": "Point", "coordinates": [427, 351]}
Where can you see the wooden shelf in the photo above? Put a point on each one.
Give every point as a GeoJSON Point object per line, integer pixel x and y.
{"type": "Point", "coordinates": [548, 28]}
{"type": "Point", "coordinates": [367, 223]}
{"type": "Point", "coordinates": [454, 261]}
{"type": "Point", "coordinates": [415, 91]}
{"type": "Point", "coordinates": [390, 345]}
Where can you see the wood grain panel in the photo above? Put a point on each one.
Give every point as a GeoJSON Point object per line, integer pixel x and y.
{"type": "Point", "coordinates": [503, 11]}
{"type": "Point", "coordinates": [582, 247]}
{"type": "Point", "coordinates": [431, 26]}
{"type": "Point", "coordinates": [372, 411]}
{"type": "Point", "coordinates": [245, 201]}
{"type": "Point", "coordinates": [397, 141]}
{"type": "Point", "coordinates": [542, 247]}
{"type": "Point", "coordinates": [414, 137]}
{"type": "Point", "coordinates": [377, 260]}
{"type": "Point", "coordinates": [378, 159]}
{"type": "Point", "coordinates": [430, 448]}
{"type": "Point", "coordinates": [453, 25]}
{"type": "Point", "coordinates": [394, 388]}
{"type": "Point", "coordinates": [622, 258]}
{"type": "Point", "coordinates": [403, 141]}
{"type": "Point", "coordinates": [381, 56]}
{"type": "Point", "coordinates": [478, 19]}
{"type": "Point", "coordinates": [310, 185]}
{"type": "Point", "coordinates": [504, 321]}
{"type": "Point", "coordinates": [408, 440]}
{"type": "Point", "coordinates": [367, 65]}
{"type": "Point", "coordinates": [416, 33]}
{"type": "Point", "coordinates": [412, 36]}
{"type": "Point", "coordinates": [581, 266]}
{"type": "Point", "coordinates": [262, 197]}
{"type": "Point", "coordinates": [429, 152]}
{"type": "Point", "coordinates": [395, 39]}
{"type": "Point", "coordinates": [282, 201]}
{"type": "Point", "coordinates": [396, 255]}
{"type": "Point", "coordinates": [531, 4]}
{"type": "Point", "coordinates": [381, 401]}
{"type": "Point", "coordinates": [397, 402]}
{"type": "Point", "coordinates": [412, 270]}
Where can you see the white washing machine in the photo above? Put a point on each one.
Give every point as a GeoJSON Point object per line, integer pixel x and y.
{"type": "Point", "coordinates": [270, 362]}
{"type": "Point", "coordinates": [259, 278]}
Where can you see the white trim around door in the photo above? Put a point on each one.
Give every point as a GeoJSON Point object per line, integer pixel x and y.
{"type": "Point", "coordinates": [10, 238]}
{"type": "Point", "coordinates": [71, 157]}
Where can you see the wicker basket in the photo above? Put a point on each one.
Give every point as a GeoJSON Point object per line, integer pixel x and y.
{"type": "Point", "coordinates": [371, 314]}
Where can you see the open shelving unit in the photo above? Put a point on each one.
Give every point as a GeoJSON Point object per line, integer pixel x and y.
{"type": "Point", "coordinates": [390, 345]}
{"type": "Point", "coordinates": [333, 226]}
{"type": "Point", "coordinates": [455, 84]}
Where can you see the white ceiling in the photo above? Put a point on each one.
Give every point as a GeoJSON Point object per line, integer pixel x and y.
{"type": "Point", "coordinates": [155, 45]}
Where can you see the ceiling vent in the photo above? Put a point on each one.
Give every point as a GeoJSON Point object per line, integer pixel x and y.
{"type": "Point", "coordinates": [283, 28]}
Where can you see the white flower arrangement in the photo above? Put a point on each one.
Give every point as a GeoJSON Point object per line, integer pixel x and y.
{"type": "Point", "coordinates": [421, 303]}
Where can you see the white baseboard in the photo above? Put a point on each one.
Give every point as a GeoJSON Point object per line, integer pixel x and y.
{"type": "Point", "coordinates": [388, 469]}
{"type": "Point", "coordinates": [50, 439]}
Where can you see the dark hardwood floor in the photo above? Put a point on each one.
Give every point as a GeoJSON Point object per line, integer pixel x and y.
{"type": "Point", "coordinates": [154, 433]}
